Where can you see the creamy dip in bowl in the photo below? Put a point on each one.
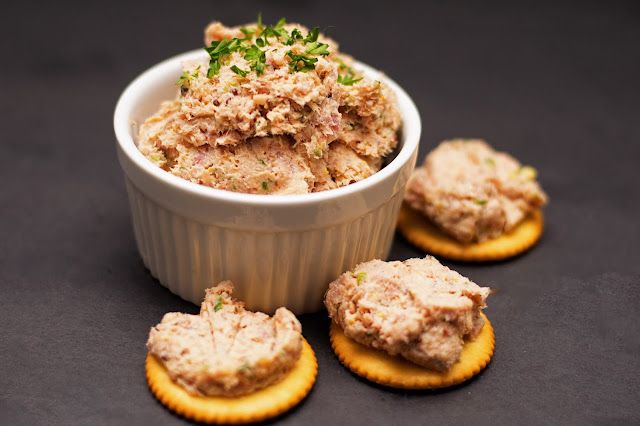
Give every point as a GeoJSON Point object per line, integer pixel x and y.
{"type": "Point", "coordinates": [280, 250]}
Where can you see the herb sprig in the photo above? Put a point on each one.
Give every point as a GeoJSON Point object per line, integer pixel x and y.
{"type": "Point", "coordinates": [257, 59]}
{"type": "Point", "coordinates": [301, 63]}
{"type": "Point", "coordinates": [304, 63]}
{"type": "Point", "coordinates": [219, 304]}
{"type": "Point", "coordinates": [220, 50]}
{"type": "Point", "coordinates": [239, 71]}
{"type": "Point", "coordinates": [185, 79]}
{"type": "Point", "coordinates": [360, 277]}
{"type": "Point", "coordinates": [347, 77]}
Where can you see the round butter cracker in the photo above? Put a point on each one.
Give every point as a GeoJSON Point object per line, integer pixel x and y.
{"type": "Point", "coordinates": [418, 230]}
{"type": "Point", "coordinates": [260, 405]}
{"type": "Point", "coordinates": [396, 372]}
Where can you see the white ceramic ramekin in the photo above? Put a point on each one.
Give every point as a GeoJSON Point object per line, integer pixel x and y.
{"type": "Point", "coordinates": [279, 250]}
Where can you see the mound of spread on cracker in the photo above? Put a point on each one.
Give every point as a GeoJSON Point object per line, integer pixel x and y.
{"type": "Point", "coordinates": [418, 310]}
{"type": "Point", "coordinates": [473, 192]}
{"type": "Point", "coordinates": [274, 109]}
{"type": "Point", "coordinates": [470, 202]}
{"type": "Point", "coordinates": [228, 364]}
{"type": "Point", "coordinates": [226, 350]}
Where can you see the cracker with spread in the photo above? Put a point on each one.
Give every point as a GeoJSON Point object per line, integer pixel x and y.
{"type": "Point", "coordinates": [228, 364]}
{"type": "Point", "coordinates": [469, 202]}
{"type": "Point", "coordinates": [414, 324]}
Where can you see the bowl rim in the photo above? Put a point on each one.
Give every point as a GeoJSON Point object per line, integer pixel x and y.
{"type": "Point", "coordinates": [411, 130]}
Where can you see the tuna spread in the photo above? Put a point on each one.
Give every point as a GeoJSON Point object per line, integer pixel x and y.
{"type": "Point", "coordinates": [473, 192]}
{"type": "Point", "coordinates": [226, 350]}
{"type": "Point", "coordinates": [273, 110]}
{"type": "Point", "coordinates": [418, 309]}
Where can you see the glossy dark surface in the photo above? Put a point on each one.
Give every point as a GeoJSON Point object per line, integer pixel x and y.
{"type": "Point", "coordinates": [555, 84]}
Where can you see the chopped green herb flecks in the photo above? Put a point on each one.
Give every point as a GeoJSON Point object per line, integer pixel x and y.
{"type": "Point", "coordinates": [239, 71]}
{"type": "Point", "coordinates": [276, 31]}
{"type": "Point", "coordinates": [480, 201]}
{"type": "Point", "coordinates": [257, 59]}
{"type": "Point", "coordinates": [301, 63]}
{"type": "Point", "coordinates": [214, 68]}
{"type": "Point", "coordinates": [348, 79]}
{"type": "Point", "coordinates": [346, 75]}
{"type": "Point", "coordinates": [265, 185]}
{"type": "Point", "coordinates": [264, 163]}
{"type": "Point", "coordinates": [219, 304]}
{"type": "Point", "coordinates": [255, 39]}
{"type": "Point", "coordinates": [296, 35]}
{"type": "Point", "coordinates": [341, 65]}
{"type": "Point", "coordinates": [248, 32]}
{"type": "Point", "coordinates": [186, 77]}
{"type": "Point", "coordinates": [490, 161]}
{"type": "Point", "coordinates": [259, 21]}
{"type": "Point", "coordinates": [317, 48]}
{"type": "Point", "coordinates": [157, 157]}
{"type": "Point", "coordinates": [313, 35]}
{"type": "Point", "coordinates": [360, 276]}
{"type": "Point", "coordinates": [218, 51]}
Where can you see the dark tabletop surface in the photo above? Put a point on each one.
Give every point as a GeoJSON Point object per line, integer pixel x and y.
{"type": "Point", "coordinates": [555, 84]}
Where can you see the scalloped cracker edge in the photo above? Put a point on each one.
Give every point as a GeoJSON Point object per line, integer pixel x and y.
{"type": "Point", "coordinates": [260, 405]}
{"type": "Point", "coordinates": [394, 371]}
{"type": "Point", "coordinates": [419, 231]}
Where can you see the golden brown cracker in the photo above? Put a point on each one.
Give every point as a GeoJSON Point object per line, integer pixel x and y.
{"type": "Point", "coordinates": [418, 230]}
{"type": "Point", "coordinates": [256, 406]}
{"type": "Point", "coordinates": [396, 372]}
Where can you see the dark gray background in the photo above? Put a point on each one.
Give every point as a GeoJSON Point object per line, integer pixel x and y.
{"type": "Point", "coordinates": [556, 84]}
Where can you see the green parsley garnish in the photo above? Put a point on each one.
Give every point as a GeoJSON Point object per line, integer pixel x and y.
{"type": "Point", "coordinates": [317, 48]}
{"type": "Point", "coordinates": [248, 32]}
{"type": "Point", "coordinates": [348, 79]}
{"type": "Point", "coordinates": [312, 37]}
{"type": "Point", "coordinates": [219, 304]}
{"type": "Point", "coordinates": [276, 31]}
{"type": "Point", "coordinates": [239, 71]}
{"type": "Point", "coordinates": [360, 276]}
{"type": "Point", "coordinates": [341, 65]}
{"type": "Point", "coordinates": [157, 157]}
{"type": "Point", "coordinates": [253, 53]}
{"type": "Point", "coordinates": [301, 63]}
{"type": "Point", "coordinates": [264, 163]}
{"type": "Point", "coordinates": [257, 59]}
{"type": "Point", "coordinates": [490, 161]}
{"type": "Point", "coordinates": [296, 35]}
{"type": "Point", "coordinates": [480, 201]}
{"type": "Point", "coordinates": [259, 21]}
{"type": "Point", "coordinates": [265, 185]}
{"type": "Point", "coordinates": [218, 50]}
{"type": "Point", "coordinates": [186, 77]}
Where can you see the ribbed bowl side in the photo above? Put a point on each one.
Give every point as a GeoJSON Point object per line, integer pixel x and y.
{"type": "Point", "coordinates": [269, 269]}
